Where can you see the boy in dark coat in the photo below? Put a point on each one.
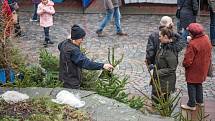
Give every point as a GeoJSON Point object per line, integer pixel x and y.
{"type": "Point", "coordinates": [72, 60]}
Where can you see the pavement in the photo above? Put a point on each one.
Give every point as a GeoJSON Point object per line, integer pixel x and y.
{"type": "Point", "coordinates": [133, 46]}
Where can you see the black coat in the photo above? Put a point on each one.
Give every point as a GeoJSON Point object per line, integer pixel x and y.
{"type": "Point", "coordinates": [188, 12]}
{"type": "Point", "coordinates": [71, 62]}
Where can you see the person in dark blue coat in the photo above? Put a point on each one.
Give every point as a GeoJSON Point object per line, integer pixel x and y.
{"type": "Point", "coordinates": [188, 13]}
{"type": "Point", "coordinates": [72, 60]}
{"type": "Point", "coordinates": [212, 21]}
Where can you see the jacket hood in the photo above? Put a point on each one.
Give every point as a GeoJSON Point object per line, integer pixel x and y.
{"type": "Point", "coordinates": [195, 29]}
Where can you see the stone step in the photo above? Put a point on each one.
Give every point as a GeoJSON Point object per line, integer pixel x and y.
{"type": "Point", "coordinates": [208, 110]}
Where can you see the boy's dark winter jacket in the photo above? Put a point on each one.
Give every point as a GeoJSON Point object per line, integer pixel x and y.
{"type": "Point", "coordinates": [71, 62]}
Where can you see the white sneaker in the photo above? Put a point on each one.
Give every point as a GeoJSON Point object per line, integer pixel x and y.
{"type": "Point", "coordinates": [200, 104]}
{"type": "Point", "coordinates": [31, 20]}
{"type": "Point", "coordinates": [188, 107]}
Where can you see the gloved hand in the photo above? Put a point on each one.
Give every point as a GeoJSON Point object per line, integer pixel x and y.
{"type": "Point", "coordinates": [195, 13]}
{"type": "Point", "coordinates": [108, 67]}
{"type": "Point", "coordinates": [151, 66]}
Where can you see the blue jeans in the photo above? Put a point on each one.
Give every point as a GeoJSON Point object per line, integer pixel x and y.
{"type": "Point", "coordinates": [195, 93]}
{"type": "Point", "coordinates": [185, 33]}
{"type": "Point", "coordinates": [46, 31]}
{"type": "Point", "coordinates": [109, 14]}
{"type": "Point", "coordinates": [178, 24]}
{"type": "Point", "coordinates": [212, 27]}
{"type": "Point", "coordinates": [35, 12]}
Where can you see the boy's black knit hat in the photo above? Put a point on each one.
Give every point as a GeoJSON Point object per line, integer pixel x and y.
{"type": "Point", "coordinates": [77, 32]}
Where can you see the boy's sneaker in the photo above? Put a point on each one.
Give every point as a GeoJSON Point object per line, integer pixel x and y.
{"type": "Point", "coordinates": [200, 104]}
{"type": "Point", "coordinates": [188, 107]}
{"type": "Point", "coordinates": [32, 20]}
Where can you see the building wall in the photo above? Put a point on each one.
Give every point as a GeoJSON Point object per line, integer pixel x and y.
{"type": "Point", "coordinates": [151, 1]}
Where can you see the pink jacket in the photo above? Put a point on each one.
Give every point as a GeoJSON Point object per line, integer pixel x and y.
{"type": "Point", "coordinates": [46, 12]}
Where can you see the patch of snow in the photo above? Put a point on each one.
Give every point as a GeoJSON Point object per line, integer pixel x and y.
{"type": "Point", "coordinates": [66, 97]}
{"type": "Point", "coordinates": [14, 96]}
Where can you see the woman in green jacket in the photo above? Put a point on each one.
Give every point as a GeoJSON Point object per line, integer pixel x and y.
{"type": "Point", "coordinates": [166, 61]}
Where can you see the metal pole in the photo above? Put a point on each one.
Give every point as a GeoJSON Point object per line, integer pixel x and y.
{"type": "Point", "coordinates": [199, 6]}
{"type": "Point", "coordinates": [83, 10]}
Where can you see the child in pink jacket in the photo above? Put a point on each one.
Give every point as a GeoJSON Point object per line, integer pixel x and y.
{"type": "Point", "coordinates": [45, 11]}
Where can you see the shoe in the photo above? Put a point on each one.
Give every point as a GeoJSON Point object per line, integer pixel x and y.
{"type": "Point", "coordinates": [32, 20]}
{"type": "Point", "coordinates": [50, 42]}
{"type": "Point", "coordinates": [188, 107]}
{"type": "Point", "coordinates": [122, 34]}
{"type": "Point", "coordinates": [100, 34]}
{"type": "Point", "coordinates": [45, 43]}
{"type": "Point", "coordinates": [200, 104]}
{"type": "Point", "coordinates": [19, 35]}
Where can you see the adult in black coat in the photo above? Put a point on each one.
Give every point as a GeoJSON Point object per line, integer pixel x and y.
{"type": "Point", "coordinates": [212, 22]}
{"type": "Point", "coordinates": [188, 14]}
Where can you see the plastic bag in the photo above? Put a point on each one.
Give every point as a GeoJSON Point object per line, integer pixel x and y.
{"type": "Point", "coordinates": [66, 97]}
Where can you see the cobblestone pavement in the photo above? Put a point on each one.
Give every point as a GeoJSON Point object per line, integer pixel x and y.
{"type": "Point", "coordinates": [137, 26]}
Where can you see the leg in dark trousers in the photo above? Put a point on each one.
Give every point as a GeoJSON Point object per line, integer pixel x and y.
{"type": "Point", "coordinates": [46, 31]}
{"type": "Point", "coordinates": [212, 27]}
{"type": "Point", "coordinates": [192, 94]}
{"type": "Point", "coordinates": [34, 18]}
{"type": "Point", "coordinates": [17, 28]}
{"type": "Point", "coordinates": [154, 95]}
{"type": "Point", "coordinates": [47, 39]}
{"type": "Point", "coordinates": [199, 93]}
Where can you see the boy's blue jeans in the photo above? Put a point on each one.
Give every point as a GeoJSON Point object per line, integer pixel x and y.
{"type": "Point", "coordinates": [195, 93]}
{"type": "Point", "coordinates": [109, 15]}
